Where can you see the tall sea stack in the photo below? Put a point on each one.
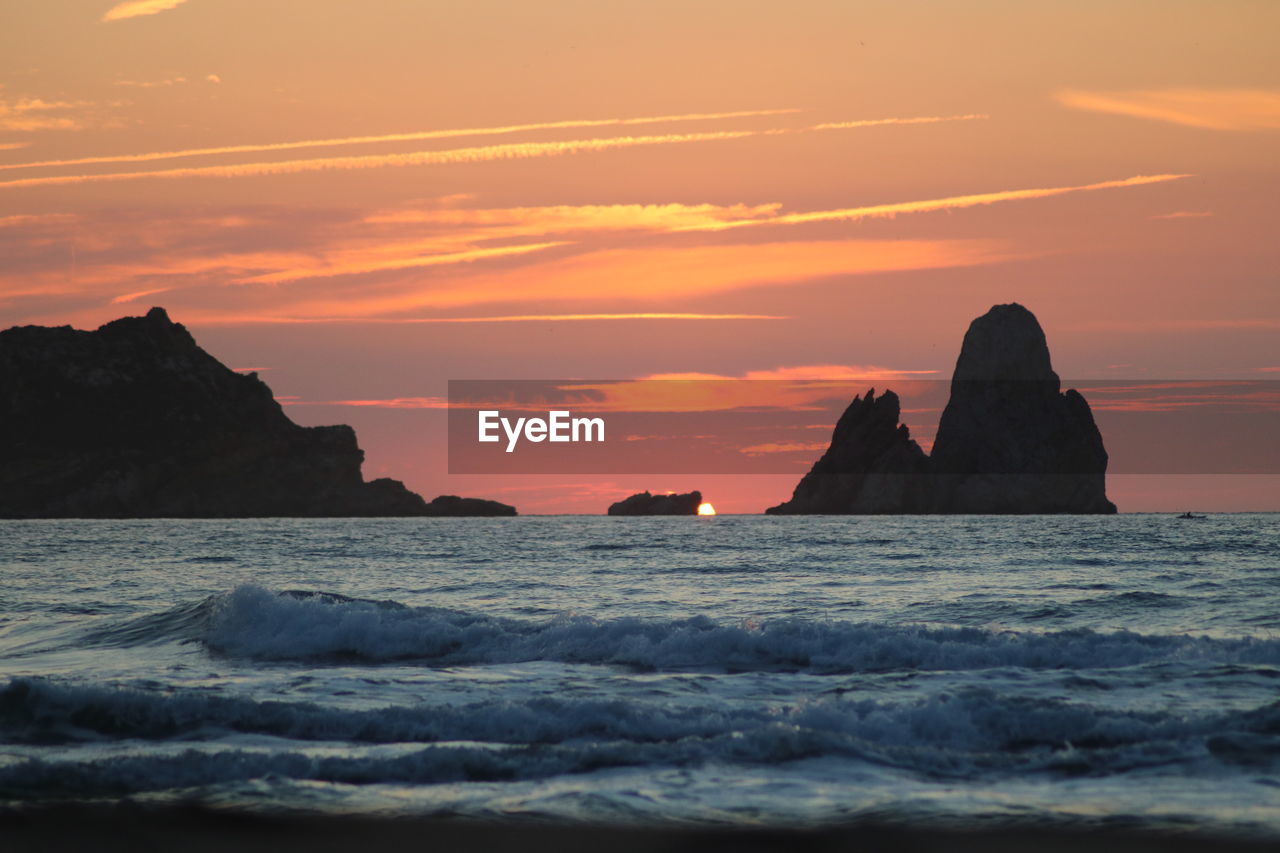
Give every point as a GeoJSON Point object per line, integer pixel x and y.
{"type": "Point", "coordinates": [1009, 441]}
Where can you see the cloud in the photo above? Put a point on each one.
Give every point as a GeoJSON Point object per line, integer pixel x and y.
{"type": "Point", "coordinates": [137, 8]}
{"type": "Point", "coordinates": [149, 84]}
{"type": "Point", "coordinates": [702, 392]}
{"type": "Point", "coordinates": [1214, 109]}
{"type": "Point", "coordinates": [213, 78]}
{"type": "Point", "coordinates": [413, 136]}
{"type": "Point", "coordinates": [928, 205]}
{"type": "Point", "coordinates": [500, 318]}
{"type": "Point", "coordinates": [392, 403]}
{"type": "Point", "coordinates": [138, 294]}
{"type": "Point", "coordinates": [476, 154]}
{"type": "Point", "coordinates": [1184, 214]}
{"type": "Point", "coordinates": [559, 218]}
{"type": "Point", "coordinates": [30, 114]}
{"type": "Point", "coordinates": [23, 219]}
{"type": "Point", "coordinates": [667, 273]}
{"type": "Point", "coordinates": [356, 266]}
{"type": "Point", "coordinates": [11, 146]}
{"type": "Point", "coordinates": [480, 154]}
{"type": "Point", "coordinates": [783, 447]}
{"type": "Point", "coordinates": [875, 122]}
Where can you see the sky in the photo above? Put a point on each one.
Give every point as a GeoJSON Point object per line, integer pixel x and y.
{"type": "Point", "coordinates": [364, 200]}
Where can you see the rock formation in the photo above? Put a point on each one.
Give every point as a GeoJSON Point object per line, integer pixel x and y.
{"type": "Point", "coordinates": [453, 506]}
{"type": "Point", "coordinates": [647, 504]}
{"type": "Point", "coordinates": [135, 420]}
{"type": "Point", "coordinates": [872, 466]}
{"type": "Point", "coordinates": [1009, 441]}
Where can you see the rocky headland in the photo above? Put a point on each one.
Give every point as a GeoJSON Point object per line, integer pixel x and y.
{"type": "Point", "coordinates": [135, 420]}
{"type": "Point", "coordinates": [1010, 441]}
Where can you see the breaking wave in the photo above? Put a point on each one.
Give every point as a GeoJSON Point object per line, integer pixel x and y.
{"type": "Point", "coordinates": [974, 731]}
{"type": "Point", "coordinates": [304, 626]}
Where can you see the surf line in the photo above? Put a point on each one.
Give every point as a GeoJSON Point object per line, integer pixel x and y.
{"type": "Point", "coordinates": [558, 426]}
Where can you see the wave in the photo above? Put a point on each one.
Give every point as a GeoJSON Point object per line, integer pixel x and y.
{"type": "Point", "coordinates": [947, 736]}
{"type": "Point", "coordinates": [303, 626]}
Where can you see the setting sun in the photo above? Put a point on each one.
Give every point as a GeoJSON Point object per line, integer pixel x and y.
{"type": "Point", "coordinates": [705, 508]}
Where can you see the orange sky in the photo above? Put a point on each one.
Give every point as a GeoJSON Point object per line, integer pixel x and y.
{"type": "Point", "coordinates": [368, 199]}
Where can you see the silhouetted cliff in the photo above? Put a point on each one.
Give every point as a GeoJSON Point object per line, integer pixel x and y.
{"type": "Point", "coordinates": [647, 504]}
{"type": "Point", "coordinates": [1008, 441]}
{"type": "Point", "coordinates": [136, 420]}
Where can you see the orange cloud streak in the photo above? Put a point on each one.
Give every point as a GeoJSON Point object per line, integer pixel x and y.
{"type": "Point", "coordinates": [136, 8]}
{"type": "Point", "coordinates": [603, 217]}
{"type": "Point", "coordinates": [363, 266]}
{"type": "Point", "coordinates": [1214, 109]}
{"type": "Point", "coordinates": [675, 273]}
{"type": "Point", "coordinates": [501, 318]}
{"type": "Point", "coordinates": [413, 136]}
{"type": "Point", "coordinates": [509, 151]}
{"type": "Point", "coordinates": [950, 203]}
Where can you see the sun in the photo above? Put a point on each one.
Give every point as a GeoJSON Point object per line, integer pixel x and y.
{"type": "Point", "coordinates": [705, 508]}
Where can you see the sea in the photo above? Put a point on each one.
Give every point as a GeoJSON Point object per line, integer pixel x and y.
{"type": "Point", "coordinates": [1030, 672]}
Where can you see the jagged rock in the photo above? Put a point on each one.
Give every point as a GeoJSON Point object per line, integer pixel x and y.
{"type": "Point", "coordinates": [872, 466]}
{"type": "Point", "coordinates": [1009, 441]}
{"type": "Point", "coordinates": [647, 504]}
{"type": "Point", "coordinates": [456, 507]}
{"type": "Point", "coordinates": [135, 420]}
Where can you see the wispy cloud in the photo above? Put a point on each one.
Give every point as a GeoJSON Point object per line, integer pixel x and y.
{"type": "Point", "coordinates": [783, 447]}
{"type": "Point", "coordinates": [20, 219]}
{"type": "Point", "coordinates": [665, 273]}
{"type": "Point", "coordinates": [146, 84]}
{"type": "Point", "coordinates": [366, 265]}
{"type": "Point", "coordinates": [1215, 109]}
{"type": "Point", "coordinates": [138, 294]}
{"type": "Point", "coordinates": [876, 122]}
{"type": "Point", "coordinates": [511, 151]}
{"type": "Point", "coordinates": [476, 154]}
{"type": "Point", "coordinates": [1184, 214]}
{"type": "Point", "coordinates": [30, 114]}
{"type": "Point", "coordinates": [811, 372]}
{"type": "Point", "coordinates": [136, 8]}
{"type": "Point", "coordinates": [927, 205]}
{"type": "Point", "coordinates": [413, 136]}
{"type": "Point", "coordinates": [592, 217]}
{"type": "Point", "coordinates": [501, 318]}
{"type": "Point", "coordinates": [12, 146]}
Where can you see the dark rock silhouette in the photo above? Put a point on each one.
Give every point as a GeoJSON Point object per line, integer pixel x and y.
{"type": "Point", "coordinates": [647, 504]}
{"type": "Point", "coordinates": [135, 420]}
{"type": "Point", "coordinates": [455, 507]}
{"type": "Point", "coordinates": [872, 466]}
{"type": "Point", "coordinates": [1009, 441]}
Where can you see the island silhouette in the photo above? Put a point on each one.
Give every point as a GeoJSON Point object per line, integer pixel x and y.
{"type": "Point", "coordinates": [1010, 441]}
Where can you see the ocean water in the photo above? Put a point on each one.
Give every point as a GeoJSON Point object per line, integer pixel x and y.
{"type": "Point", "coordinates": [736, 670]}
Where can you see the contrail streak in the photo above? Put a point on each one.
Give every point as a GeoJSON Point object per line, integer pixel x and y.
{"type": "Point", "coordinates": [508, 151]}
{"type": "Point", "coordinates": [512, 151]}
{"type": "Point", "coordinates": [949, 203]}
{"type": "Point", "coordinates": [393, 137]}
